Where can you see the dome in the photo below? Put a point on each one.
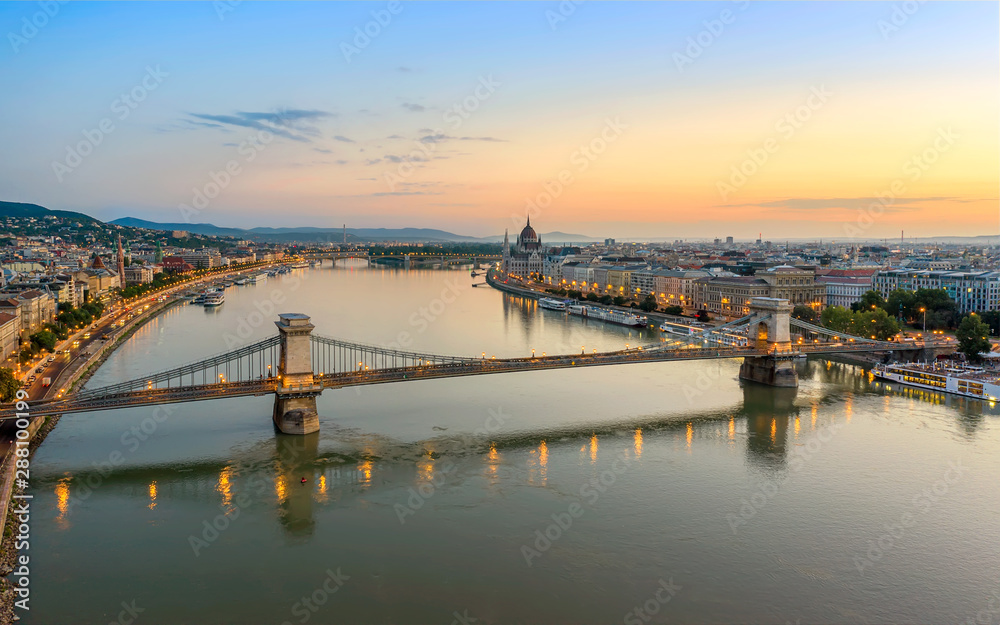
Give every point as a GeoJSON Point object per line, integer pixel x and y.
{"type": "Point", "coordinates": [528, 234]}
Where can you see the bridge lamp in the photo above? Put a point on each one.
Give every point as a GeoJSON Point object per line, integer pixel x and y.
{"type": "Point", "coordinates": [543, 354]}
{"type": "Point", "coordinates": [532, 352]}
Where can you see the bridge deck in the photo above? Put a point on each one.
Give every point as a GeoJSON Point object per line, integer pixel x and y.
{"type": "Point", "coordinates": [149, 397]}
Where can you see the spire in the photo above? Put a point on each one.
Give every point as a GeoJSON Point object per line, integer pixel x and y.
{"type": "Point", "coordinates": [529, 221]}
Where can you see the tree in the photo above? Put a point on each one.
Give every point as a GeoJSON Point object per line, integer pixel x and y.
{"type": "Point", "coordinates": [992, 319]}
{"type": "Point", "coordinates": [648, 303]}
{"type": "Point", "coordinates": [8, 385]}
{"type": "Point", "coordinates": [703, 315]}
{"type": "Point", "coordinates": [868, 300]}
{"type": "Point", "coordinates": [874, 324]}
{"type": "Point", "coordinates": [902, 303]}
{"type": "Point", "coordinates": [619, 300]}
{"type": "Point", "coordinates": [592, 297]}
{"type": "Point", "coordinates": [673, 310]}
{"type": "Point", "coordinates": [804, 313]}
{"type": "Point", "coordinates": [972, 336]}
{"type": "Point", "coordinates": [44, 339]}
{"type": "Point", "coordinates": [606, 299]}
{"type": "Point", "coordinates": [836, 318]}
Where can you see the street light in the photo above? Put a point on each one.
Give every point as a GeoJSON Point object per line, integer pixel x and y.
{"type": "Point", "coordinates": [924, 310]}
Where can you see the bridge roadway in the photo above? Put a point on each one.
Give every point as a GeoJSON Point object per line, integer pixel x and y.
{"type": "Point", "coordinates": [202, 392]}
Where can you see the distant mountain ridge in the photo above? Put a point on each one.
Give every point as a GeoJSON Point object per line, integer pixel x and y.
{"type": "Point", "coordinates": [22, 209]}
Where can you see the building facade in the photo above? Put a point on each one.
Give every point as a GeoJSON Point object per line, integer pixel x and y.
{"type": "Point", "coordinates": [973, 291]}
{"type": "Point", "coordinates": [526, 260]}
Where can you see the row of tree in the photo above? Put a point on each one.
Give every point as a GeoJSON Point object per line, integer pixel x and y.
{"type": "Point", "coordinates": [914, 307]}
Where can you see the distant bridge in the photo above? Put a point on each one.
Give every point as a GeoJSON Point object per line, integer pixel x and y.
{"type": "Point", "coordinates": [296, 366]}
{"type": "Point", "coordinates": [406, 259]}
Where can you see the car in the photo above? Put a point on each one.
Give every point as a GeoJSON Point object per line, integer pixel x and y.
{"type": "Point", "coordinates": [32, 379]}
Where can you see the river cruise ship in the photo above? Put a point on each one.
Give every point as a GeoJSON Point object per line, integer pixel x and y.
{"type": "Point", "coordinates": [611, 316]}
{"type": "Point", "coordinates": [959, 380]}
{"type": "Point", "coordinates": [552, 304]}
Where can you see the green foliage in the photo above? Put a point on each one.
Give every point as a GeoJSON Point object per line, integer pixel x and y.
{"type": "Point", "coordinates": [8, 385]}
{"type": "Point", "coordinates": [574, 294]}
{"type": "Point", "coordinates": [804, 313]}
{"type": "Point", "coordinates": [592, 297]}
{"type": "Point", "coordinates": [836, 318]}
{"type": "Point", "coordinates": [674, 310]}
{"type": "Point", "coordinates": [992, 319]}
{"type": "Point", "coordinates": [648, 303]}
{"type": "Point", "coordinates": [606, 299]}
{"type": "Point", "coordinates": [703, 315]}
{"type": "Point", "coordinates": [972, 336]}
{"type": "Point", "coordinates": [875, 323]}
{"type": "Point", "coordinates": [44, 340]}
{"type": "Point", "coordinates": [863, 323]}
{"type": "Point", "coordinates": [868, 300]}
{"type": "Point", "coordinates": [619, 300]}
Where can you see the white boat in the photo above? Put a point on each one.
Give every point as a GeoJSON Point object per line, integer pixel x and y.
{"type": "Point", "coordinates": [260, 277]}
{"type": "Point", "coordinates": [299, 265]}
{"type": "Point", "coordinates": [241, 281]}
{"type": "Point", "coordinates": [552, 304]}
{"type": "Point", "coordinates": [215, 298]}
{"type": "Point", "coordinates": [958, 380]}
{"type": "Point", "coordinates": [610, 316]}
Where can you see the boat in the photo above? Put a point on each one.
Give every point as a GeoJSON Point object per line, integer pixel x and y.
{"type": "Point", "coordinates": [299, 265]}
{"type": "Point", "coordinates": [552, 304]}
{"type": "Point", "coordinates": [241, 282]}
{"type": "Point", "coordinates": [955, 379]}
{"type": "Point", "coordinates": [200, 298]}
{"type": "Point", "coordinates": [215, 298]}
{"type": "Point", "coordinates": [260, 277]}
{"type": "Point", "coordinates": [677, 328]}
{"type": "Point", "coordinates": [610, 316]}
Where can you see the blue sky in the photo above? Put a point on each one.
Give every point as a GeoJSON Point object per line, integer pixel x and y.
{"type": "Point", "coordinates": [351, 135]}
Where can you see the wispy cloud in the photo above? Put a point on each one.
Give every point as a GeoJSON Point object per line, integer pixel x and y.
{"type": "Point", "coordinates": [293, 124]}
{"type": "Point", "coordinates": [343, 138]}
{"type": "Point", "coordinates": [323, 151]}
{"type": "Point", "coordinates": [414, 108]}
{"type": "Point", "coordinates": [441, 138]}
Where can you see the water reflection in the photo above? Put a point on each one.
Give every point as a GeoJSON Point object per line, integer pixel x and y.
{"type": "Point", "coordinates": [295, 470]}
{"type": "Point", "coordinates": [767, 411]}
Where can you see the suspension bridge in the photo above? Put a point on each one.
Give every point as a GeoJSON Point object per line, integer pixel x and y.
{"type": "Point", "coordinates": [296, 366]}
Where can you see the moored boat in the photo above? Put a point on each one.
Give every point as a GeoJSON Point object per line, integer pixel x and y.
{"type": "Point", "coordinates": [956, 379]}
{"type": "Point", "coordinates": [552, 304]}
{"type": "Point", "coordinates": [610, 316]}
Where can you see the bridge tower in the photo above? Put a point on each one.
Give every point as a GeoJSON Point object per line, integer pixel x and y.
{"type": "Point", "coordinates": [770, 328]}
{"type": "Point", "coordinates": [295, 401]}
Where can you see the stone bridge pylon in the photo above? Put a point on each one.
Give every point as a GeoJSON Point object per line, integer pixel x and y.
{"type": "Point", "coordinates": [770, 327]}
{"type": "Point", "coordinates": [295, 398]}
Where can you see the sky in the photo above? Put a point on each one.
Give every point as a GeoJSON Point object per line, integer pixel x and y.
{"type": "Point", "coordinates": [626, 120]}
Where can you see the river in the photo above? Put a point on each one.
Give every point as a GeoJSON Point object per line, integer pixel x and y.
{"type": "Point", "coordinates": [665, 492]}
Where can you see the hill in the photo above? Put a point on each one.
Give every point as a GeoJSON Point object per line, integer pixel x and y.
{"type": "Point", "coordinates": [20, 209]}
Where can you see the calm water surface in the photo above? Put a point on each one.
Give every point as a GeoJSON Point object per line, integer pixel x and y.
{"type": "Point", "coordinates": [565, 496]}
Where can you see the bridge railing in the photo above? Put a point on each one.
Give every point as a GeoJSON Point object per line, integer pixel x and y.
{"type": "Point", "coordinates": [258, 361]}
{"type": "Point", "coordinates": [335, 356]}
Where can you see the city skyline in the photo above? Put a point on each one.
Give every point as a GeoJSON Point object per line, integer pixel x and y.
{"type": "Point", "coordinates": [629, 121]}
